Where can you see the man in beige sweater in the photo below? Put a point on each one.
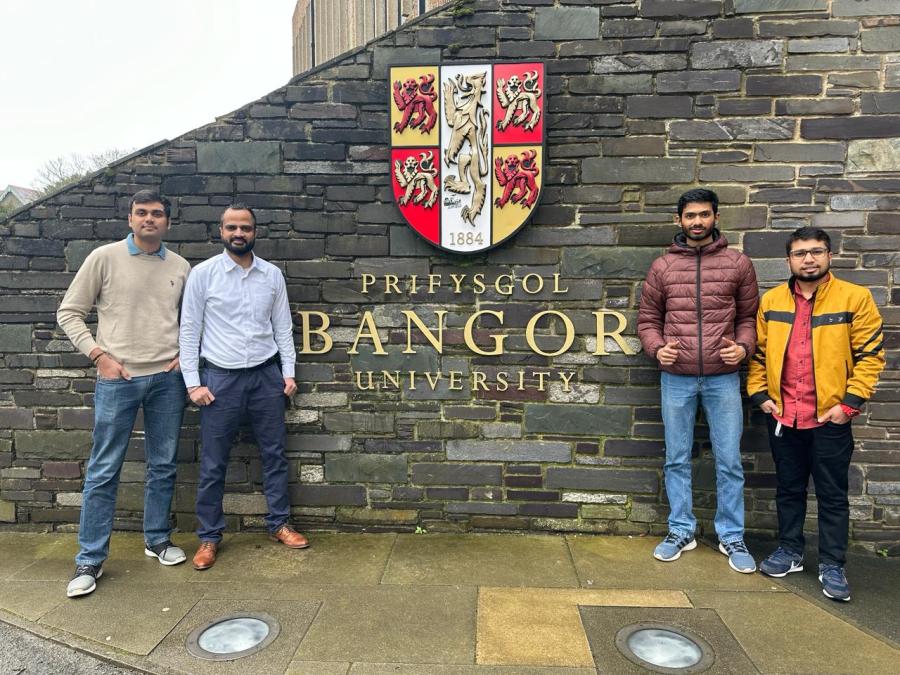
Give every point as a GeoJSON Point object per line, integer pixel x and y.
{"type": "Point", "coordinates": [136, 286]}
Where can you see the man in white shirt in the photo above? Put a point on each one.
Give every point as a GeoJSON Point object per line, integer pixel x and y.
{"type": "Point", "coordinates": [235, 317]}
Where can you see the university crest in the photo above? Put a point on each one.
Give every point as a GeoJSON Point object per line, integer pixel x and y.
{"type": "Point", "coordinates": [467, 150]}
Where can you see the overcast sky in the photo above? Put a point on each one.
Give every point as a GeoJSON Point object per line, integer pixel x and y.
{"type": "Point", "coordinates": [88, 75]}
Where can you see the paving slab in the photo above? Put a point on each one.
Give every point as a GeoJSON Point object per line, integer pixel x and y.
{"type": "Point", "coordinates": [481, 560]}
{"type": "Point", "coordinates": [19, 550]}
{"type": "Point", "coordinates": [126, 616]}
{"type": "Point", "coordinates": [542, 627]}
{"type": "Point", "coordinates": [317, 668]}
{"type": "Point", "coordinates": [602, 624]}
{"type": "Point", "coordinates": [30, 599]}
{"type": "Point", "coordinates": [783, 633]}
{"type": "Point", "coordinates": [874, 584]}
{"type": "Point", "coordinates": [385, 624]}
{"type": "Point", "coordinates": [331, 559]}
{"type": "Point", "coordinates": [293, 618]}
{"type": "Point", "coordinates": [628, 562]}
{"type": "Point", "coordinates": [432, 669]}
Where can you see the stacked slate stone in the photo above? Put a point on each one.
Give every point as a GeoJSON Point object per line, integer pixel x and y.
{"type": "Point", "coordinates": [789, 109]}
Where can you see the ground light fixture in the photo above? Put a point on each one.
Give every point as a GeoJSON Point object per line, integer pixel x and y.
{"type": "Point", "coordinates": [231, 637]}
{"type": "Point", "coordinates": [662, 648]}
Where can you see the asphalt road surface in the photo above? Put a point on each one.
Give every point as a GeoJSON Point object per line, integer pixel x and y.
{"type": "Point", "coordinates": [22, 653]}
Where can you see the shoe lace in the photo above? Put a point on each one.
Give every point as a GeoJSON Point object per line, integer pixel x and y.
{"type": "Point", "coordinates": [206, 544]}
{"type": "Point", "coordinates": [737, 547]}
{"type": "Point", "coordinates": [672, 538]}
{"type": "Point", "coordinates": [833, 572]}
{"type": "Point", "coordinates": [85, 569]}
{"type": "Point", "coordinates": [782, 554]}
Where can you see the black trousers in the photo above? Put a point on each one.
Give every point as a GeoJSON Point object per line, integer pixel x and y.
{"type": "Point", "coordinates": [823, 453]}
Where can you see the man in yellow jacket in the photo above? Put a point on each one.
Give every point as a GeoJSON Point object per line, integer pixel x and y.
{"type": "Point", "coordinates": [819, 351]}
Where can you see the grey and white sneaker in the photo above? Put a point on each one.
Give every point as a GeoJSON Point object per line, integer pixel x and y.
{"type": "Point", "coordinates": [84, 581]}
{"type": "Point", "coordinates": [166, 552]}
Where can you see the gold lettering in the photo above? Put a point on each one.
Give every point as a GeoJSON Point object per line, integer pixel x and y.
{"type": "Point", "coordinates": [455, 380]}
{"type": "Point", "coordinates": [615, 334]}
{"type": "Point", "coordinates": [436, 342]}
{"type": "Point", "coordinates": [502, 382]}
{"type": "Point", "coordinates": [540, 284]}
{"type": "Point", "coordinates": [434, 281]}
{"type": "Point", "coordinates": [413, 284]}
{"type": "Point", "coordinates": [433, 382]}
{"type": "Point", "coordinates": [359, 384]}
{"type": "Point", "coordinates": [322, 332]}
{"type": "Point", "coordinates": [504, 284]}
{"type": "Point", "coordinates": [367, 280]}
{"type": "Point", "coordinates": [556, 288]}
{"type": "Point", "coordinates": [529, 333]}
{"type": "Point", "coordinates": [521, 386]}
{"type": "Point", "coordinates": [478, 381]}
{"type": "Point", "coordinates": [566, 378]}
{"type": "Point", "coordinates": [478, 286]}
{"type": "Point", "coordinates": [390, 284]}
{"type": "Point", "coordinates": [367, 328]}
{"type": "Point", "coordinates": [388, 378]}
{"type": "Point", "coordinates": [412, 380]}
{"type": "Point", "coordinates": [457, 282]}
{"type": "Point", "coordinates": [498, 339]}
{"type": "Point", "coordinates": [541, 374]}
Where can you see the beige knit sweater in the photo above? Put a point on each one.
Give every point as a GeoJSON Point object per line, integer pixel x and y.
{"type": "Point", "coordinates": [137, 299]}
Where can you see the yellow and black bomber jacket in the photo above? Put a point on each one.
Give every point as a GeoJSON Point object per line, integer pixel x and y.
{"type": "Point", "coordinates": [847, 344]}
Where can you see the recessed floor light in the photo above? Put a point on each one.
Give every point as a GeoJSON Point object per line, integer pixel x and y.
{"type": "Point", "coordinates": [664, 649]}
{"type": "Point", "coordinates": [232, 637]}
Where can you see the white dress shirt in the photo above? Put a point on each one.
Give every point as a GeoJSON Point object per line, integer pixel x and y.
{"type": "Point", "coordinates": [235, 317]}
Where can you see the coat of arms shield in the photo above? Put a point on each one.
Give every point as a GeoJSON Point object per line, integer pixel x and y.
{"type": "Point", "coordinates": [467, 150]}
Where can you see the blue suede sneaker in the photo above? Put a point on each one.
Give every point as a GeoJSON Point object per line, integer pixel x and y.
{"type": "Point", "coordinates": [670, 548]}
{"type": "Point", "coordinates": [834, 583]}
{"type": "Point", "coordinates": [739, 558]}
{"type": "Point", "coordinates": [781, 563]}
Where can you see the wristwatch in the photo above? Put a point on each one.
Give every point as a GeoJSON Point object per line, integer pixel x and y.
{"type": "Point", "coordinates": [848, 411]}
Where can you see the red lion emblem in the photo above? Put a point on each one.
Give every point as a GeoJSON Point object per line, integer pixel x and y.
{"type": "Point", "coordinates": [416, 98]}
{"type": "Point", "coordinates": [518, 179]}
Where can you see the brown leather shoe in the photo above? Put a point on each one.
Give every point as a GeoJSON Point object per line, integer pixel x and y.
{"type": "Point", "coordinates": [290, 537]}
{"type": "Point", "coordinates": [205, 557]}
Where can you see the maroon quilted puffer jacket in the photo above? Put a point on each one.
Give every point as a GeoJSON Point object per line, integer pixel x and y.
{"type": "Point", "coordinates": [699, 297]}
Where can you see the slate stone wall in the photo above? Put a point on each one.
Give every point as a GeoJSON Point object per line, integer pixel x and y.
{"type": "Point", "coordinates": [789, 109]}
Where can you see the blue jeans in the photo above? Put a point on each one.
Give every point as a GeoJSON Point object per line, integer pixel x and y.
{"type": "Point", "coordinates": [258, 395]}
{"type": "Point", "coordinates": [116, 404]}
{"type": "Point", "coordinates": [720, 396]}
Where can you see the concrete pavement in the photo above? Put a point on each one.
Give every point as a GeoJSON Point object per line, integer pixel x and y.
{"type": "Point", "coordinates": [442, 604]}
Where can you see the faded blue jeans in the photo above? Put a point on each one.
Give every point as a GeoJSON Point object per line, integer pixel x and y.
{"type": "Point", "coordinates": [720, 396]}
{"type": "Point", "coordinates": [116, 404]}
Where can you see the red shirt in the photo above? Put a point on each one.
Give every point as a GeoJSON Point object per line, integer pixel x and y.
{"type": "Point", "coordinates": [798, 381]}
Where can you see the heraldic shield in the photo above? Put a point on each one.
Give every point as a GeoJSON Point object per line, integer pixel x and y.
{"type": "Point", "coordinates": [467, 150]}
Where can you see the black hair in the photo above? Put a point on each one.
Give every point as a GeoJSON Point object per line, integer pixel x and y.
{"type": "Point", "coordinates": [807, 234]}
{"type": "Point", "coordinates": [149, 196]}
{"type": "Point", "coordinates": [698, 195]}
{"type": "Point", "coordinates": [238, 206]}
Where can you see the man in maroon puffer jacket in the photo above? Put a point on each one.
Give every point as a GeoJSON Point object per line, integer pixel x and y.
{"type": "Point", "coordinates": [698, 319]}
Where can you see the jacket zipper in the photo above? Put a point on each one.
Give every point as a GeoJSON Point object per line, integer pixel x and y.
{"type": "Point", "coordinates": [699, 316]}
{"type": "Point", "coordinates": [812, 356]}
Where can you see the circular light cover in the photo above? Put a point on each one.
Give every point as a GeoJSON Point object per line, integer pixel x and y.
{"type": "Point", "coordinates": [232, 637]}
{"type": "Point", "coordinates": [665, 648]}
{"type": "Point", "coordinates": [661, 648]}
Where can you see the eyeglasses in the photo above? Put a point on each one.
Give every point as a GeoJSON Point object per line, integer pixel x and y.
{"type": "Point", "coordinates": [800, 254]}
